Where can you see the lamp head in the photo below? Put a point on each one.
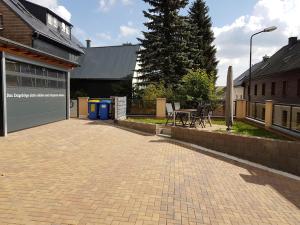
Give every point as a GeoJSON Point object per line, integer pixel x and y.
{"type": "Point", "coordinates": [270, 29]}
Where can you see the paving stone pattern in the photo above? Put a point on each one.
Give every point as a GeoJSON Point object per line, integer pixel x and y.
{"type": "Point", "coordinates": [82, 172]}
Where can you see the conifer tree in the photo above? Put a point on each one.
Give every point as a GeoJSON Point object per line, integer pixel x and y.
{"type": "Point", "coordinates": [164, 51]}
{"type": "Point", "coordinates": [201, 48]}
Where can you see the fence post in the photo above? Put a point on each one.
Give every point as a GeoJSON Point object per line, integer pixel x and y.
{"type": "Point", "coordinates": [161, 107]}
{"type": "Point", "coordinates": [241, 109]}
{"type": "Point", "coordinates": [83, 107]}
{"type": "Point", "coordinates": [269, 113]}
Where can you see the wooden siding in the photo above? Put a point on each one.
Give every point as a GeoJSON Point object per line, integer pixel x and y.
{"type": "Point", "coordinates": [14, 27]}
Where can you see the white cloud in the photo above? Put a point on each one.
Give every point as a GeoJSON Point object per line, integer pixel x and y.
{"type": "Point", "coordinates": [104, 36]}
{"type": "Point", "coordinates": [106, 5]}
{"type": "Point", "coordinates": [232, 40]}
{"type": "Point", "coordinates": [127, 31]}
{"type": "Point", "coordinates": [55, 7]}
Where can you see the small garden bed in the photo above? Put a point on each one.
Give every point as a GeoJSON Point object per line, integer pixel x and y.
{"type": "Point", "coordinates": [239, 127]}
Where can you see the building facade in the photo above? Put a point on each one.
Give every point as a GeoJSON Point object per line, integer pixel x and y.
{"type": "Point", "coordinates": [276, 79]}
{"type": "Point", "coordinates": [106, 71]}
{"type": "Point", "coordinates": [36, 58]}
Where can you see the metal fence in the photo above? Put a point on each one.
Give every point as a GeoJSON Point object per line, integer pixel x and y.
{"type": "Point", "coordinates": [257, 111]}
{"type": "Point", "coordinates": [148, 108]}
{"type": "Point", "coordinates": [141, 107]}
{"type": "Point", "coordinates": [287, 116]}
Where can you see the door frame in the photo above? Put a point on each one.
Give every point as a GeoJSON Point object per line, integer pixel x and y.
{"type": "Point", "coordinates": [3, 102]}
{"type": "Point", "coordinates": [3, 105]}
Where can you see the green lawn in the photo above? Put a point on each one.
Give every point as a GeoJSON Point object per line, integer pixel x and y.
{"type": "Point", "coordinates": [239, 127]}
{"type": "Point", "coordinates": [148, 120]}
{"type": "Point", "coordinates": [248, 130]}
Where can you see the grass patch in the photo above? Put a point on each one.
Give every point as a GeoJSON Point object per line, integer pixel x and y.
{"type": "Point", "coordinates": [246, 129]}
{"type": "Point", "coordinates": [239, 127]}
{"type": "Point", "coordinates": [148, 120]}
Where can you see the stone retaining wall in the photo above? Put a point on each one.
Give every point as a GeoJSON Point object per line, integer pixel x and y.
{"type": "Point", "coordinates": [143, 127]}
{"type": "Point", "coordinates": [281, 155]}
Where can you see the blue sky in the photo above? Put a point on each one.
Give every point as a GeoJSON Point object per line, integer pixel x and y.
{"type": "Point", "coordinates": [103, 26]}
{"type": "Point", "coordinates": [113, 22]}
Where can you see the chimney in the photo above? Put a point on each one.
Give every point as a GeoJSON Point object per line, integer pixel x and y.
{"type": "Point", "coordinates": [293, 41]}
{"type": "Point", "coordinates": [266, 58]}
{"type": "Point", "coordinates": [88, 43]}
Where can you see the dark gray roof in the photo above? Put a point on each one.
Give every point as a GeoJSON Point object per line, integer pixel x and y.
{"type": "Point", "coordinates": [244, 76]}
{"type": "Point", "coordinates": [42, 28]}
{"type": "Point", "coordinates": [109, 63]}
{"type": "Point", "coordinates": [286, 59]}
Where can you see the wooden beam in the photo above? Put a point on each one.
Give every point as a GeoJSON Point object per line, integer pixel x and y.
{"type": "Point", "coordinates": [33, 56]}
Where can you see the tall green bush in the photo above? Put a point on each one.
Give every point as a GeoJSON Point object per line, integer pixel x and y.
{"type": "Point", "coordinates": [154, 91]}
{"type": "Point", "coordinates": [197, 85]}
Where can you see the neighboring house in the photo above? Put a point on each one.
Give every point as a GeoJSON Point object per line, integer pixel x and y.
{"type": "Point", "coordinates": [239, 82]}
{"type": "Point", "coordinates": [276, 78]}
{"type": "Point", "coordinates": [37, 51]}
{"type": "Point", "coordinates": [105, 71]}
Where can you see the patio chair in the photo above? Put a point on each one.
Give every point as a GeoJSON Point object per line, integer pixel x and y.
{"type": "Point", "coordinates": [181, 116]}
{"type": "Point", "coordinates": [208, 113]}
{"type": "Point", "coordinates": [177, 105]}
{"type": "Point", "coordinates": [199, 117]}
{"type": "Point", "coordinates": [170, 113]}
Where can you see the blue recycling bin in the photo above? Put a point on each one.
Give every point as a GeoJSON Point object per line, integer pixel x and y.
{"type": "Point", "coordinates": [104, 107]}
{"type": "Point", "coordinates": [93, 109]}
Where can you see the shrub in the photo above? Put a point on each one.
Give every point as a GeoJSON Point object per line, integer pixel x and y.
{"type": "Point", "coordinates": [197, 86]}
{"type": "Point", "coordinates": [154, 91]}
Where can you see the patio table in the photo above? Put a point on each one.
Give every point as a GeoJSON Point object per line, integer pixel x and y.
{"type": "Point", "coordinates": [188, 112]}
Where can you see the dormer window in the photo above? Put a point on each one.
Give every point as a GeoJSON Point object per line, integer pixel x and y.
{"type": "Point", "coordinates": [50, 19]}
{"type": "Point", "coordinates": [67, 30]}
{"type": "Point", "coordinates": [1, 22]}
{"type": "Point", "coordinates": [63, 27]}
{"type": "Point", "coordinates": [55, 22]}
{"type": "Point", "coordinates": [59, 25]}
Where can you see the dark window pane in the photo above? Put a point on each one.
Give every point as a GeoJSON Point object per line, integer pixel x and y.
{"type": "Point", "coordinates": [52, 73]}
{"type": "Point", "coordinates": [298, 88]}
{"type": "Point", "coordinates": [33, 70]}
{"type": "Point", "coordinates": [255, 89]}
{"type": "Point", "coordinates": [61, 75]}
{"type": "Point", "coordinates": [61, 85]}
{"type": "Point", "coordinates": [52, 84]}
{"type": "Point", "coordinates": [1, 22]}
{"type": "Point", "coordinates": [11, 81]}
{"type": "Point", "coordinates": [40, 71]}
{"type": "Point", "coordinates": [12, 66]}
{"type": "Point", "coordinates": [27, 82]}
{"type": "Point", "coordinates": [284, 87]}
{"type": "Point", "coordinates": [25, 68]}
{"type": "Point", "coordinates": [41, 83]}
{"type": "Point", "coordinates": [284, 118]}
{"type": "Point", "coordinates": [263, 91]}
{"type": "Point", "coordinates": [273, 88]}
{"type": "Point", "coordinates": [298, 121]}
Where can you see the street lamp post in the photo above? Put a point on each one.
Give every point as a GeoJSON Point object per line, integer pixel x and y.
{"type": "Point", "coordinates": [269, 29]}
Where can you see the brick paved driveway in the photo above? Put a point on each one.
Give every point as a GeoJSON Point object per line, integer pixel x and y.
{"type": "Point", "coordinates": [79, 172]}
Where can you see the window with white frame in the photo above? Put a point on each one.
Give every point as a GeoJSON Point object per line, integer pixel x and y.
{"type": "Point", "coordinates": [50, 19]}
{"type": "Point", "coordinates": [55, 22]}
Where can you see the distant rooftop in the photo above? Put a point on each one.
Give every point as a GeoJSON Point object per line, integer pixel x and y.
{"type": "Point", "coordinates": [107, 63]}
{"type": "Point", "coordinates": [286, 59]}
